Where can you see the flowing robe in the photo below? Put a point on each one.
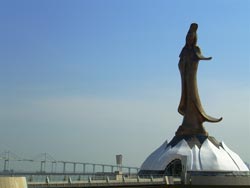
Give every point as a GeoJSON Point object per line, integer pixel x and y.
{"type": "Point", "coordinates": [190, 105]}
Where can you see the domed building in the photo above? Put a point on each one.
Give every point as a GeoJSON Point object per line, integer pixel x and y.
{"type": "Point", "coordinates": [195, 153]}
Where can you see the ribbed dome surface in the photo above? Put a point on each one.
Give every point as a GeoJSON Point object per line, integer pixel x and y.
{"type": "Point", "coordinates": [203, 153]}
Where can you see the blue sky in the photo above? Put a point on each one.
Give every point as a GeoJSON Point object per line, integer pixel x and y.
{"type": "Point", "coordinates": [85, 80]}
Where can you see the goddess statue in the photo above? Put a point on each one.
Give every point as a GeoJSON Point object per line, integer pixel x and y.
{"type": "Point", "coordinates": [190, 105]}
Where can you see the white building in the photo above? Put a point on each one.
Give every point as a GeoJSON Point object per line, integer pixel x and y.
{"type": "Point", "coordinates": [192, 153]}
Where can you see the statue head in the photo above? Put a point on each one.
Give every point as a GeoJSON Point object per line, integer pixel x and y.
{"type": "Point", "coordinates": [191, 38]}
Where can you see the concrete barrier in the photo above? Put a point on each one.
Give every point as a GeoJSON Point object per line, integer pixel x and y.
{"type": "Point", "coordinates": [220, 180]}
{"type": "Point", "coordinates": [13, 182]}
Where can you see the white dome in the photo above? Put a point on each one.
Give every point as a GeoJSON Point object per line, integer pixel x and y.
{"type": "Point", "coordinates": [206, 157]}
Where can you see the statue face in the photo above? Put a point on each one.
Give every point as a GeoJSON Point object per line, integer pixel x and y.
{"type": "Point", "coordinates": [190, 40]}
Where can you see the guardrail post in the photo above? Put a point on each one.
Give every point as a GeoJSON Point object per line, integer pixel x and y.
{"type": "Point", "coordinates": [151, 178]}
{"type": "Point", "coordinates": [170, 179]}
{"type": "Point", "coordinates": [89, 179]}
{"type": "Point", "coordinates": [165, 179]}
{"type": "Point", "coordinates": [47, 179]}
{"type": "Point", "coordinates": [107, 179]}
{"type": "Point", "coordinates": [138, 179]}
{"type": "Point", "coordinates": [69, 180]}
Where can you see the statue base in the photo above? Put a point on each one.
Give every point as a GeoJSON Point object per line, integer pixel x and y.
{"type": "Point", "coordinates": [183, 130]}
{"type": "Point", "coordinates": [196, 153]}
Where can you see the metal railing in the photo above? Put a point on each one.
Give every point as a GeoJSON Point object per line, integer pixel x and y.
{"type": "Point", "coordinates": [110, 181]}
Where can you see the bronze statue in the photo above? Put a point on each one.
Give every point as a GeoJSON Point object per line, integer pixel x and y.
{"type": "Point", "coordinates": [190, 105]}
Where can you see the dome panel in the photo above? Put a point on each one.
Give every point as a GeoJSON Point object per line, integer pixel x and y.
{"type": "Point", "coordinates": [240, 164]}
{"type": "Point", "coordinates": [214, 159]}
{"type": "Point", "coordinates": [196, 159]}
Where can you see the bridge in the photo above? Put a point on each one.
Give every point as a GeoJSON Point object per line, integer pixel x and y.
{"type": "Point", "coordinates": [45, 163]}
